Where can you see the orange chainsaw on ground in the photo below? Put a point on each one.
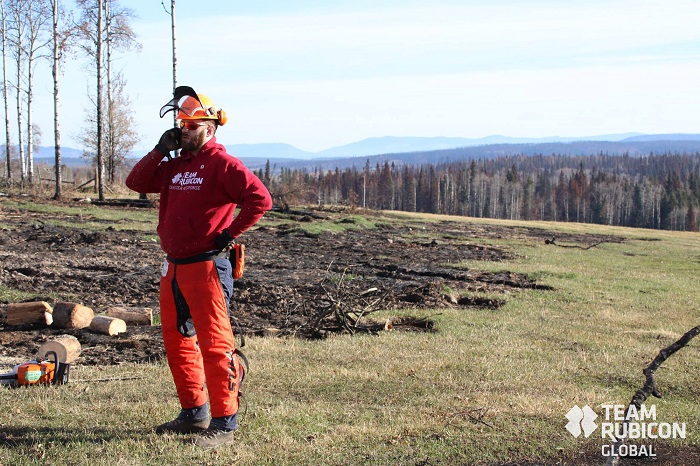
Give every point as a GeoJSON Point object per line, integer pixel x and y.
{"type": "Point", "coordinates": [42, 371]}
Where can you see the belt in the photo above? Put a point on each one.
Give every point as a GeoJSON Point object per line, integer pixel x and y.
{"type": "Point", "coordinates": [205, 256]}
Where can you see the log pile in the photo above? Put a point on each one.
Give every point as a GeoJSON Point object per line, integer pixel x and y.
{"type": "Point", "coordinates": [107, 325]}
{"type": "Point", "coordinates": [66, 347]}
{"type": "Point", "coordinates": [67, 315]}
{"type": "Point", "coordinates": [72, 315]}
{"type": "Point", "coordinates": [132, 315]}
{"type": "Point", "coordinates": [39, 312]}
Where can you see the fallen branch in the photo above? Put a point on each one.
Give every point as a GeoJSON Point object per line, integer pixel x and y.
{"type": "Point", "coordinates": [62, 181]}
{"type": "Point", "coordinates": [585, 248]}
{"type": "Point", "coordinates": [86, 183]}
{"type": "Point", "coordinates": [476, 415]}
{"type": "Point", "coordinates": [347, 306]}
{"type": "Point", "coordinates": [649, 388]}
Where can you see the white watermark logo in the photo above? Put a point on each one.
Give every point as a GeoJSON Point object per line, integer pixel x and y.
{"type": "Point", "coordinates": [621, 422]}
{"type": "Point", "coordinates": [581, 420]}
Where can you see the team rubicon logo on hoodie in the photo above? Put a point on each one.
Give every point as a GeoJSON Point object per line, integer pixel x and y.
{"type": "Point", "coordinates": [186, 181]}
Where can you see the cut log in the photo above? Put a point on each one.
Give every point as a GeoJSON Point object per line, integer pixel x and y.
{"type": "Point", "coordinates": [108, 325]}
{"type": "Point", "coordinates": [67, 348]}
{"type": "Point", "coordinates": [38, 312]}
{"type": "Point", "coordinates": [72, 315]}
{"type": "Point", "coordinates": [132, 315]}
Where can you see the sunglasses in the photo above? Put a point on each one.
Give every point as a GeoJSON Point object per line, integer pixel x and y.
{"type": "Point", "coordinates": [191, 125]}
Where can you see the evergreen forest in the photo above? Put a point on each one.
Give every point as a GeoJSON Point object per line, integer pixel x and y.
{"type": "Point", "coordinates": [660, 191]}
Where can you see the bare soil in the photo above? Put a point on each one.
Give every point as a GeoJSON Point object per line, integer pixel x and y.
{"type": "Point", "coordinates": [296, 283]}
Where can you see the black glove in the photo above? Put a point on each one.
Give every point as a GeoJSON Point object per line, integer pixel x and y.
{"type": "Point", "coordinates": [170, 140]}
{"type": "Point", "coordinates": [224, 241]}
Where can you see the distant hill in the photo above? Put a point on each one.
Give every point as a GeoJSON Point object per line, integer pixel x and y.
{"type": "Point", "coordinates": [69, 157]}
{"type": "Point", "coordinates": [71, 162]}
{"type": "Point", "coordinates": [392, 144]}
{"type": "Point", "coordinates": [417, 150]}
{"type": "Point", "coordinates": [47, 152]}
{"type": "Point", "coordinates": [663, 137]}
{"type": "Point", "coordinates": [257, 163]}
{"type": "Point", "coordinates": [490, 151]}
{"type": "Point", "coordinates": [395, 145]}
{"type": "Point", "coordinates": [268, 151]}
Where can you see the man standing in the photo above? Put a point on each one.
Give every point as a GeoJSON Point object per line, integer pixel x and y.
{"type": "Point", "coordinates": [199, 191]}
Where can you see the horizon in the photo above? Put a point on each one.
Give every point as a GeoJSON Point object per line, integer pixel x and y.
{"type": "Point", "coordinates": [389, 145]}
{"type": "Point", "coordinates": [322, 76]}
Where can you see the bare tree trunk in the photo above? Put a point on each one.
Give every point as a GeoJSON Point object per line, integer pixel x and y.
{"type": "Point", "coordinates": [22, 164]}
{"type": "Point", "coordinates": [172, 22]}
{"type": "Point", "coordinates": [174, 38]}
{"type": "Point", "coordinates": [4, 88]}
{"type": "Point", "coordinates": [56, 127]}
{"type": "Point", "coordinates": [104, 29]}
{"type": "Point", "coordinates": [174, 42]}
{"type": "Point", "coordinates": [27, 28]}
{"type": "Point", "coordinates": [98, 61]}
{"type": "Point", "coordinates": [110, 100]}
{"type": "Point", "coordinates": [30, 129]}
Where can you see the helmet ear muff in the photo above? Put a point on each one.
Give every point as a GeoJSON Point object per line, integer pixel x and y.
{"type": "Point", "coordinates": [221, 117]}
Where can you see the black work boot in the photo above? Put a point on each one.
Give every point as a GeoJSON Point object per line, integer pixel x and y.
{"type": "Point", "coordinates": [214, 438]}
{"type": "Point", "coordinates": [181, 426]}
{"type": "Point", "coordinates": [220, 432]}
{"type": "Point", "coordinates": [188, 421]}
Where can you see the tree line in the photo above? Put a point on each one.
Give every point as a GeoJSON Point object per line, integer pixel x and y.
{"type": "Point", "coordinates": [44, 32]}
{"type": "Point", "coordinates": [660, 191]}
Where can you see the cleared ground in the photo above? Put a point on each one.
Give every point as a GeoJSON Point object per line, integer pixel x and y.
{"type": "Point", "coordinates": [399, 339]}
{"type": "Point", "coordinates": [296, 281]}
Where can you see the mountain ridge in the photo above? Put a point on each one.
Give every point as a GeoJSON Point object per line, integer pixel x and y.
{"type": "Point", "coordinates": [400, 148]}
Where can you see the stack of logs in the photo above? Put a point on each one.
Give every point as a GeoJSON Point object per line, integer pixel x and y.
{"type": "Point", "coordinates": [75, 316]}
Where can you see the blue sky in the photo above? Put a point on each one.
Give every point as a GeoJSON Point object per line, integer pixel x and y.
{"type": "Point", "coordinates": [318, 74]}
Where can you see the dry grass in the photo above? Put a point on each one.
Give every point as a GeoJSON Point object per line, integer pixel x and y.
{"type": "Point", "coordinates": [490, 387]}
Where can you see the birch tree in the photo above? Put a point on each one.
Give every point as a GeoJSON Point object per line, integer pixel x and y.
{"type": "Point", "coordinates": [60, 41]}
{"type": "Point", "coordinates": [122, 137]}
{"type": "Point", "coordinates": [99, 40]}
{"type": "Point", "coordinates": [38, 39]}
{"type": "Point", "coordinates": [171, 12]}
{"type": "Point", "coordinates": [16, 28]}
{"type": "Point", "coordinates": [5, 85]}
{"type": "Point", "coordinates": [173, 31]}
{"type": "Point", "coordinates": [105, 28]}
{"type": "Point", "coordinates": [28, 36]}
{"type": "Point", "coordinates": [118, 36]}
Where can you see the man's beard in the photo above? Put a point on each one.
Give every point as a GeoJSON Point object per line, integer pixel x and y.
{"type": "Point", "coordinates": [194, 142]}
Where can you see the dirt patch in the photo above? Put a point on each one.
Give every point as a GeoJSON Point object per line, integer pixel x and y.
{"type": "Point", "coordinates": [296, 283]}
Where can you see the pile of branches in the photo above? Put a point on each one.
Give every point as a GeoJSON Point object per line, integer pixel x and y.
{"type": "Point", "coordinates": [339, 303]}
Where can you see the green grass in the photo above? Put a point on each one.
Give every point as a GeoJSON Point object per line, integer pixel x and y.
{"type": "Point", "coordinates": [407, 398]}
{"type": "Point", "coordinates": [12, 295]}
{"type": "Point", "coordinates": [88, 216]}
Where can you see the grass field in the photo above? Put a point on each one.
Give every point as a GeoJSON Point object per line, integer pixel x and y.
{"type": "Point", "coordinates": [489, 387]}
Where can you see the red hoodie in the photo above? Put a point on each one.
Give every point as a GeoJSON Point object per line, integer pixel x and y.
{"type": "Point", "coordinates": [198, 196]}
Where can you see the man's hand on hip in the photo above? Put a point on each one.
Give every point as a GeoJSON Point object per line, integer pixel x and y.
{"type": "Point", "coordinates": [224, 241]}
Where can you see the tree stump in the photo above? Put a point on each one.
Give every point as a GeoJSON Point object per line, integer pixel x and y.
{"type": "Point", "coordinates": [132, 315]}
{"type": "Point", "coordinates": [39, 312]}
{"type": "Point", "coordinates": [67, 348]}
{"type": "Point", "coordinates": [72, 315]}
{"type": "Point", "coordinates": [108, 325]}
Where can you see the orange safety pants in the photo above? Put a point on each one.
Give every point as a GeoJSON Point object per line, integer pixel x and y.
{"type": "Point", "coordinates": [197, 334]}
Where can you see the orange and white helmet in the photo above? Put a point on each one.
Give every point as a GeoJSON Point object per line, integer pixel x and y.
{"type": "Point", "coordinates": [193, 106]}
